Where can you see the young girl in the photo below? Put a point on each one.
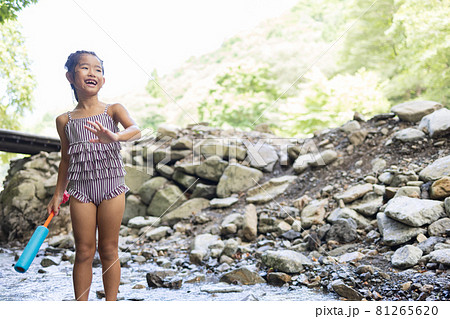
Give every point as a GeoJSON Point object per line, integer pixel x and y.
{"type": "Point", "coordinates": [92, 170]}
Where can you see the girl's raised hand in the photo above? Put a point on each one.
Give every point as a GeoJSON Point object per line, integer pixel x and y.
{"type": "Point", "coordinates": [103, 134]}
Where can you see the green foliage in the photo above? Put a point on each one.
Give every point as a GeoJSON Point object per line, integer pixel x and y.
{"type": "Point", "coordinates": [152, 120]}
{"type": "Point", "coordinates": [242, 97]}
{"type": "Point", "coordinates": [406, 42]}
{"type": "Point", "coordinates": [9, 8]}
{"type": "Point", "coordinates": [17, 82]}
{"type": "Point", "coordinates": [332, 102]}
{"type": "Point", "coordinates": [155, 90]}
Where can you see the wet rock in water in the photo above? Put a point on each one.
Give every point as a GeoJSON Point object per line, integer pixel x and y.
{"type": "Point", "coordinates": [406, 256]}
{"type": "Point", "coordinates": [437, 123]}
{"type": "Point", "coordinates": [50, 261]}
{"type": "Point", "coordinates": [243, 276]}
{"type": "Point", "coordinates": [346, 291]}
{"type": "Point", "coordinates": [287, 261]}
{"type": "Point", "coordinates": [237, 178]}
{"type": "Point", "coordinates": [436, 170]}
{"type": "Point", "coordinates": [250, 223]}
{"type": "Point", "coordinates": [200, 247]}
{"type": "Point", "coordinates": [441, 256]}
{"type": "Point", "coordinates": [396, 233]}
{"type": "Point", "coordinates": [413, 211]}
{"type": "Point", "coordinates": [343, 231]}
{"type": "Point", "coordinates": [163, 279]}
{"type": "Point", "coordinates": [269, 190]}
{"type": "Point", "coordinates": [278, 279]}
{"type": "Point", "coordinates": [414, 111]}
{"type": "Point", "coordinates": [124, 258]}
{"type": "Point", "coordinates": [440, 189]}
{"type": "Point", "coordinates": [223, 202]}
{"type": "Point", "coordinates": [439, 227]}
{"type": "Point", "coordinates": [221, 288]}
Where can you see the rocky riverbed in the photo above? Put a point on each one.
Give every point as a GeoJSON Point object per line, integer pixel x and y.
{"type": "Point", "coordinates": [359, 212]}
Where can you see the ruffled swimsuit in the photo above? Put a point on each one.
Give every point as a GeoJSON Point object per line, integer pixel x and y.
{"type": "Point", "coordinates": [96, 170]}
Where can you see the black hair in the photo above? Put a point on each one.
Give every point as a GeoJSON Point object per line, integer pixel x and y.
{"type": "Point", "coordinates": [73, 60]}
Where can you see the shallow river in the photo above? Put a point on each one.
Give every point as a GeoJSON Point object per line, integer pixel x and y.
{"type": "Point", "coordinates": [56, 285]}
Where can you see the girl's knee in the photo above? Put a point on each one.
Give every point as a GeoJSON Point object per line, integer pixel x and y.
{"type": "Point", "coordinates": [108, 252]}
{"type": "Point", "coordinates": [84, 253]}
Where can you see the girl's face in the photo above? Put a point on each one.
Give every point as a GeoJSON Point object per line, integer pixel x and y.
{"type": "Point", "coordinates": [88, 76]}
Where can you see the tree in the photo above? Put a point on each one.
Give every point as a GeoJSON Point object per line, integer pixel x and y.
{"type": "Point", "coordinates": [242, 96]}
{"type": "Point", "coordinates": [9, 8]}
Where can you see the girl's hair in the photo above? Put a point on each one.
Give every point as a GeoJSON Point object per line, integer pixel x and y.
{"type": "Point", "coordinates": [73, 60]}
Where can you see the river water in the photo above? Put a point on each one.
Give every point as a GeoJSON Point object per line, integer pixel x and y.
{"type": "Point", "coordinates": [56, 285]}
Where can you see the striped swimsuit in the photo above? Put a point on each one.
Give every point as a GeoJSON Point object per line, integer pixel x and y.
{"type": "Point", "coordinates": [96, 170]}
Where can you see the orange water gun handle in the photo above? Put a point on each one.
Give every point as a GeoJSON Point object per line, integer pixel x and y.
{"type": "Point", "coordinates": [52, 214]}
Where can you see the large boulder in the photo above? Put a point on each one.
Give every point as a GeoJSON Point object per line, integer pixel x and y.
{"type": "Point", "coordinates": [437, 124]}
{"type": "Point", "coordinates": [414, 111]}
{"type": "Point", "coordinates": [438, 169]}
{"type": "Point", "coordinates": [165, 200]}
{"type": "Point", "coordinates": [237, 178]}
{"type": "Point", "coordinates": [133, 208]}
{"type": "Point", "coordinates": [211, 168]}
{"type": "Point", "coordinates": [185, 210]}
{"type": "Point", "coordinates": [262, 157]}
{"type": "Point", "coordinates": [269, 190]}
{"type": "Point", "coordinates": [395, 233]}
{"type": "Point", "coordinates": [413, 211]}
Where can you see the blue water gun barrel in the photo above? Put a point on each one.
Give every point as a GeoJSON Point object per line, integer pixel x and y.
{"type": "Point", "coordinates": [31, 249]}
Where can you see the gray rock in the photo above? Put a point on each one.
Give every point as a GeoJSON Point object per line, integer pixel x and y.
{"type": "Point", "coordinates": [358, 137]}
{"type": "Point", "coordinates": [326, 157]}
{"type": "Point", "coordinates": [223, 202]}
{"type": "Point", "coordinates": [243, 276]}
{"type": "Point", "coordinates": [437, 123]}
{"type": "Point", "coordinates": [355, 192]}
{"type": "Point", "coordinates": [386, 178]}
{"type": "Point", "coordinates": [351, 126]}
{"type": "Point", "coordinates": [133, 207]}
{"type": "Point", "coordinates": [413, 211]}
{"type": "Point", "coordinates": [378, 164]}
{"type": "Point", "coordinates": [262, 157]}
{"type": "Point", "coordinates": [62, 241]}
{"type": "Point", "coordinates": [48, 261]}
{"type": "Point", "coordinates": [165, 200]}
{"type": "Point", "coordinates": [201, 244]}
{"type": "Point", "coordinates": [183, 143]}
{"type": "Point", "coordinates": [447, 206]}
{"type": "Point", "coordinates": [185, 180]}
{"type": "Point", "coordinates": [409, 135]}
{"type": "Point", "coordinates": [369, 204]}
{"type": "Point", "coordinates": [269, 190]}
{"type": "Point", "coordinates": [220, 147]}
{"type": "Point", "coordinates": [427, 246]}
{"type": "Point", "coordinates": [406, 256]}
{"type": "Point", "coordinates": [157, 233]}
{"type": "Point", "coordinates": [345, 213]}
{"type": "Point", "coordinates": [343, 231]}
{"type": "Point", "coordinates": [439, 227]}
{"type": "Point", "coordinates": [396, 233]}
{"type": "Point", "coordinates": [237, 178]}
{"type": "Point", "coordinates": [136, 176]}
{"type": "Point", "coordinates": [408, 191]}
{"type": "Point", "coordinates": [221, 288]}
{"type": "Point", "coordinates": [436, 170]}
{"type": "Point", "coordinates": [204, 191]}
{"type": "Point", "coordinates": [149, 188]}
{"type": "Point", "coordinates": [185, 210]}
{"type": "Point", "coordinates": [141, 221]}
{"type": "Point", "coordinates": [441, 256]}
{"type": "Point", "coordinates": [287, 261]}
{"type": "Point", "coordinates": [346, 291]}
{"type": "Point", "coordinates": [212, 168]}
{"type": "Point", "coordinates": [250, 223]}
{"type": "Point", "coordinates": [414, 111]}
{"type": "Point", "coordinates": [313, 213]}
{"type": "Point", "coordinates": [124, 258]}
{"type": "Point", "coordinates": [351, 257]}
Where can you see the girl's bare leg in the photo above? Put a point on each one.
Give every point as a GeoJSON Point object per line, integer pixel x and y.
{"type": "Point", "coordinates": [109, 218]}
{"type": "Point", "coordinates": [84, 222]}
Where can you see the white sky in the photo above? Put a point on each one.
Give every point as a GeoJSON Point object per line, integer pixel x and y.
{"type": "Point", "coordinates": [132, 37]}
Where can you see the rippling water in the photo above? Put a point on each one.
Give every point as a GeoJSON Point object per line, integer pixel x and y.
{"type": "Point", "coordinates": [56, 285]}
